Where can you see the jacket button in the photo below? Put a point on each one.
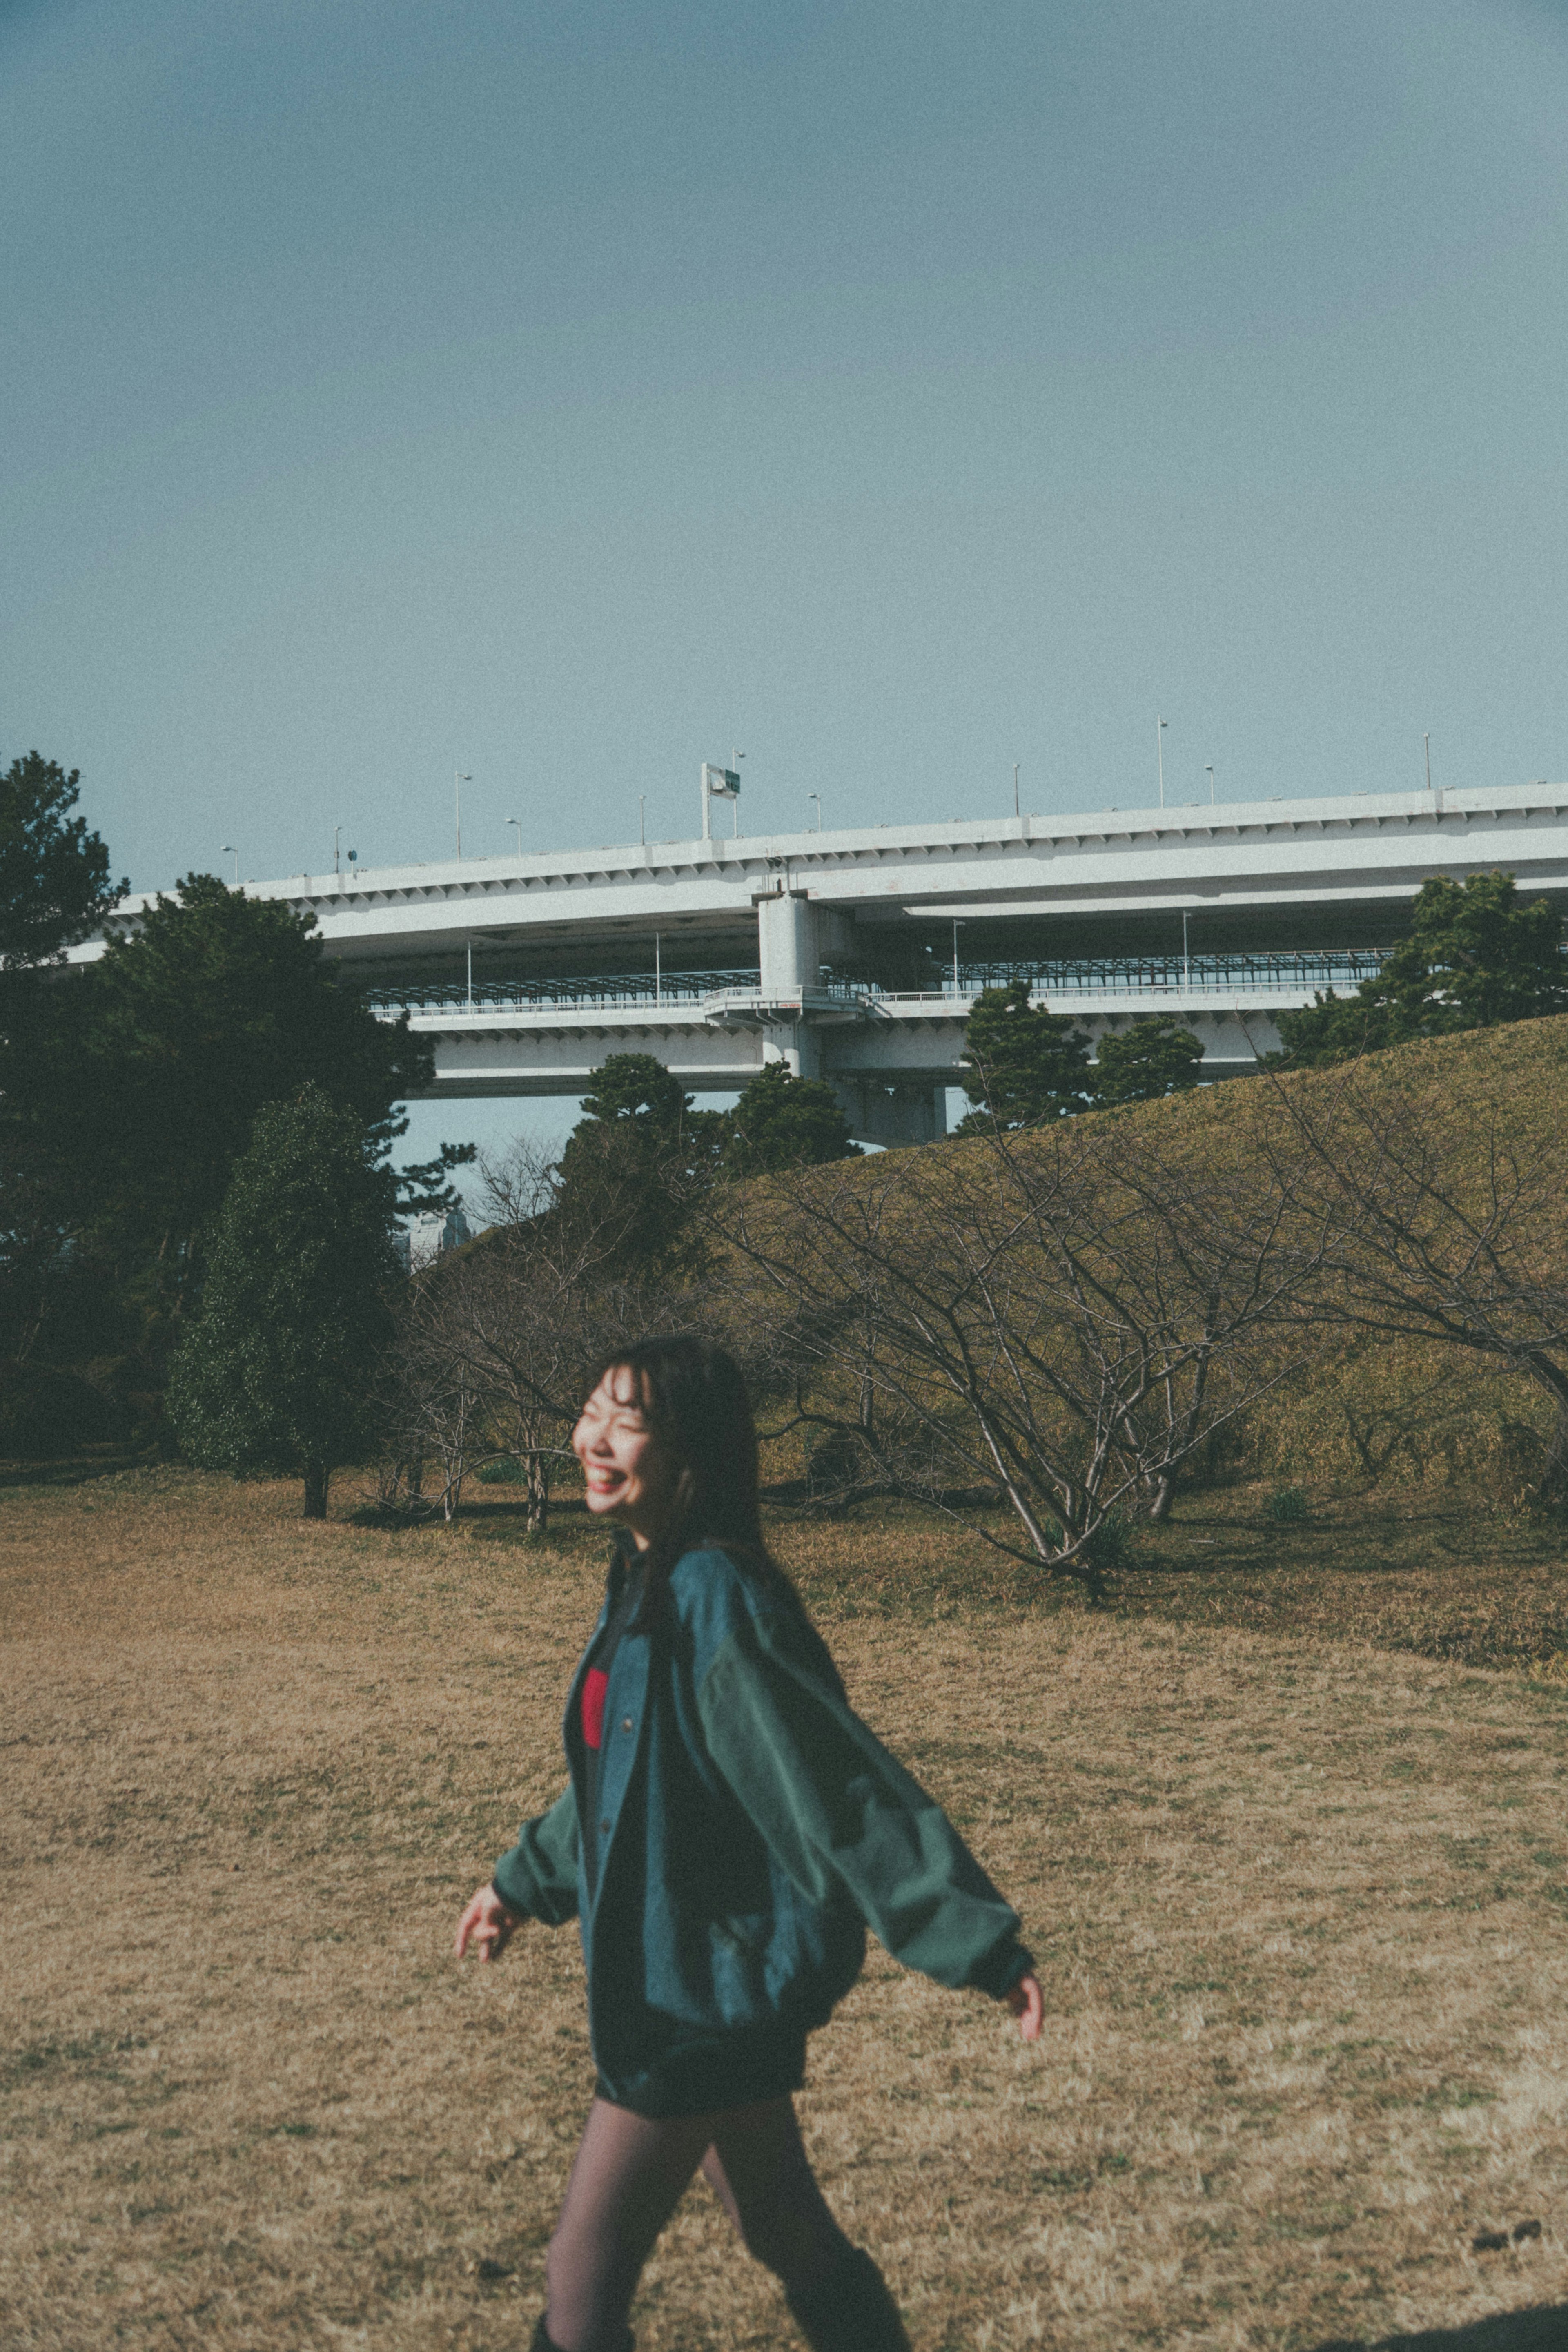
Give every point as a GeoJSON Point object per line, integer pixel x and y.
{"type": "Point", "coordinates": [625, 1723]}
{"type": "Point", "coordinates": [605, 1829]}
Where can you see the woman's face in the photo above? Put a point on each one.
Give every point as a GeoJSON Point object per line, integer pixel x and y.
{"type": "Point", "coordinates": [629, 1476]}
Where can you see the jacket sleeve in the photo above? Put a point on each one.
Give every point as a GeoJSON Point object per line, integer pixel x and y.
{"type": "Point", "coordinates": [539, 1878]}
{"type": "Point", "coordinates": [837, 1810]}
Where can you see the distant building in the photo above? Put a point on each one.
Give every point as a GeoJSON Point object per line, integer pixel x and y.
{"type": "Point", "coordinates": [429, 1236]}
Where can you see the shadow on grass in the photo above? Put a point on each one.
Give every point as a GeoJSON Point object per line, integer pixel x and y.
{"type": "Point", "coordinates": [1541, 2328]}
{"type": "Point", "coordinates": [77, 1469]}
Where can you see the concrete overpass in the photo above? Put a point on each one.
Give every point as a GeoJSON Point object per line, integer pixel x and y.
{"type": "Point", "coordinates": [855, 955]}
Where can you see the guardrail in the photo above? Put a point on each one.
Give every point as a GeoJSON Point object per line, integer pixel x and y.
{"type": "Point", "coordinates": [531, 995]}
{"type": "Point", "coordinates": [1199, 975]}
{"type": "Point", "coordinates": [1343, 969]}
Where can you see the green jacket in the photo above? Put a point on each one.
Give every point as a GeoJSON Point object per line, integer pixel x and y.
{"type": "Point", "coordinates": [749, 1829]}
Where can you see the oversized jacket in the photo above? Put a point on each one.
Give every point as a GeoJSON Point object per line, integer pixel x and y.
{"type": "Point", "coordinates": [750, 1827]}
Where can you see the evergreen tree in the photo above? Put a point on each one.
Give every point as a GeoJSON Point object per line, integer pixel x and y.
{"type": "Point", "coordinates": [216, 1004]}
{"type": "Point", "coordinates": [276, 1370]}
{"type": "Point", "coordinates": [634, 1164]}
{"type": "Point", "coordinates": [1023, 1064]}
{"type": "Point", "coordinates": [55, 885]}
{"type": "Point", "coordinates": [55, 888]}
{"type": "Point", "coordinates": [1155, 1056]}
{"type": "Point", "coordinates": [783, 1122]}
{"type": "Point", "coordinates": [1473, 956]}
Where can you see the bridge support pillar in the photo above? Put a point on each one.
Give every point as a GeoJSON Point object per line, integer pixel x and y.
{"type": "Point", "coordinates": [796, 1046]}
{"type": "Point", "coordinates": [877, 1112]}
{"type": "Point", "coordinates": [786, 941]}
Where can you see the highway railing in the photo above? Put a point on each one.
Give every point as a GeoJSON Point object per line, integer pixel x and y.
{"type": "Point", "coordinates": [575, 994]}
{"type": "Point", "coordinates": [1343, 969]}
{"type": "Point", "coordinates": [1298, 976]}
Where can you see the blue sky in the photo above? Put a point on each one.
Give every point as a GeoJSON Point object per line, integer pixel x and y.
{"type": "Point", "coordinates": [893, 391]}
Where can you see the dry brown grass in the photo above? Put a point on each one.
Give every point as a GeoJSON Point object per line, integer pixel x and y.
{"type": "Point", "coordinates": [1300, 1910]}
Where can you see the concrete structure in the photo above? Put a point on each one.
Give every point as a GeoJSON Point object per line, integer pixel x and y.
{"type": "Point", "coordinates": [855, 955]}
{"type": "Point", "coordinates": [421, 1239]}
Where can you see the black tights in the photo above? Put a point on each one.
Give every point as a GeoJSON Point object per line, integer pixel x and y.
{"type": "Point", "coordinates": [629, 2176]}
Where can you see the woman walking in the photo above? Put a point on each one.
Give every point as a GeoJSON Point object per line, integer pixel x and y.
{"type": "Point", "coordinates": [729, 1830]}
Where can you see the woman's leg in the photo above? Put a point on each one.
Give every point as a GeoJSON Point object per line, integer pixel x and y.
{"type": "Point", "coordinates": [629, 2176]}
{"type": "Point", "coordinates": [760, 2171]}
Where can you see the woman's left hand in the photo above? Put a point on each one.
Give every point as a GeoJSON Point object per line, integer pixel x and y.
{"type": "Point", "coordinates": [1027, 2005]}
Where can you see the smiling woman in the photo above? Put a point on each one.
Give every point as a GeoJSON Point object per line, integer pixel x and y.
{"type": "Point", "coordinates": [627, 1473]}
{"type": "Point", "coordinates": [730, 1830]}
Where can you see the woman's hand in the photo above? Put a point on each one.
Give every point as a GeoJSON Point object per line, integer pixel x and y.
{"type": "Point", "coordinates": [1027, 2005]}
{"type": "Point", "coordinates": [487, 1924]}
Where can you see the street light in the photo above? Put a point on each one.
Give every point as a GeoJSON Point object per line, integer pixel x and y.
{"type": "Point", "coordinates": [1160, 749]}
{"type": "Point", "coordinates": [1017, 811]}
{"type": "Point", "coordinates": [459, 778]}
{"type": "Point", "coordinates": [818, 798]}
{"type": "Point", "coordinates": [230, 851]}
{"type": "Point", "coordinates": [643, 818]}
{"type": "Point", "coordinates": [1209, 772]}
{"type": "Point", "coordinates": [519, 822]}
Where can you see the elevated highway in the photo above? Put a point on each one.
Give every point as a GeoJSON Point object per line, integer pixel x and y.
{"type": "Point", "coordinates": [855, 955]}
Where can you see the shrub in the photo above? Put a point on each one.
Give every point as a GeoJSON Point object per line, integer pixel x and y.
{"type": "Point", "coordinates": [1287, 1507]}
{"type": "Point", "coordinates": [507, 1472]}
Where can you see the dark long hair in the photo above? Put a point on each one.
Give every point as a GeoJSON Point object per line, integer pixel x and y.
{"type": "Point", "coordinates": [695, 1397]}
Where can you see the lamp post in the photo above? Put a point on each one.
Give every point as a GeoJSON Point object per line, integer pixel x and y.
{"type": "Point", "coordinates": [955, 959]}
{"type": "Point", "coordinates": [1160, 752]}
{"type": "Point", "coordinates": [1017, 811]}
{"type": "Point", "coordinates": [818, 798]}
{"type": "Point", "coordinates": [1427, 746]}
{"type": "Point", "coordinates": [519, 823]}
{"type": "Point", "coordinates": [230, 851]}
{"type": "Point", "coordinates": [1209, 772]}
{"type": "Point", "coordinates": [458, 780]}
{"type": "Point", "coordinates": [643, 819]}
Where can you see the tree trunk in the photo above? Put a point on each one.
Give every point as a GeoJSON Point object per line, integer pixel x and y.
{"type": "Point", "coordinates": [315, 1491]}
{"type": "Point", "coordinates": [1551, 1486]}
{"type": "Point", "coordinates": [538, 1495]}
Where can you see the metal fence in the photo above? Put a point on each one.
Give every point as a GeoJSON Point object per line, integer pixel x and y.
{"type": "Point", "coordinates": [1341, 969]}
{"type": "Point", "coordinates": [582, 993]}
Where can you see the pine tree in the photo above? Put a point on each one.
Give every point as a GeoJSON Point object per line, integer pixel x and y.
{"type": "Point", "coordinates": [783, 1122]}
{"type": "Point", "coordinates": [276, 1371]}
{"type": "Point", "coordinates": [633, 1165]}
{"type": "Point", "coordinates": [1473, 956]}
{"type": "Point", "coordinates": [1023, 1064]}
{"type": "Point", "coordinates": [1155, 1056]}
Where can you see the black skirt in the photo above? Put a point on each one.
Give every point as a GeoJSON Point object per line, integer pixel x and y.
{"type": "Point", "coordinates": [704, 2077]}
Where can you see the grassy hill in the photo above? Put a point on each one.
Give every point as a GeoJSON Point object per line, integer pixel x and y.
{"type": "Point", "coordinates": [1364, 1409]}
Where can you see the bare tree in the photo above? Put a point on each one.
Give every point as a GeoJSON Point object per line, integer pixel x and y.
{"type": "Point", "coordinates": [497, 1344]}
{"type": "Point", "coordinates": [1057, 1319]}
{"type": "Point", "coordinates": [1430, 1193]}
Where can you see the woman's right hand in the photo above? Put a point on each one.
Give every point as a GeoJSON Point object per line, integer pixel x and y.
{"type": "Point", "coordinates": [487, 1924]}
{"type": "Point", "coordinates": [1027, 2005]}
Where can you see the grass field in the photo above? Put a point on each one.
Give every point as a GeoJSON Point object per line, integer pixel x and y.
{"type": "Point", "coordinates": [1301, 1905]}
